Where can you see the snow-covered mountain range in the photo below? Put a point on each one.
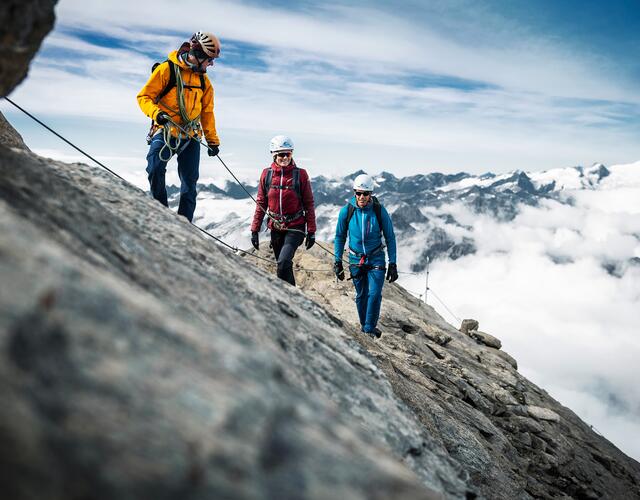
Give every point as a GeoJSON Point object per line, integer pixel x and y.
{"type": "Point", "coordinates": [434, 214]}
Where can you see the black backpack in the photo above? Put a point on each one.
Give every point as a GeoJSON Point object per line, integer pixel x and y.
{"type": "Point", "coordinates": [377, 209]}
{"type": "Point", "coordinates": [170, 84]}
{"type": "Point", "coordinates": [295, 174]}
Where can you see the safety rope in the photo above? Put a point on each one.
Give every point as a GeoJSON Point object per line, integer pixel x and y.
{"type": "Point", "coordinates": [444, 305]}
{"type": "Point", "coordinates": [420, 296]}
{"type": "Point", "coordinates": [266, 212]}
{"type": "Point", "coordinates": [65, 140]}
{"type": "Point", "coordinates": [235, 249]}
{"type": "Point", "coordinates": [196, 138]}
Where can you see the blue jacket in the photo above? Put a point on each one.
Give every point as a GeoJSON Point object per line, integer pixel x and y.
{"type": "Point", "coordinates": [364, 234]}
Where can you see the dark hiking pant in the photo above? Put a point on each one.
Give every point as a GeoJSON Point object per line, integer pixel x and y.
{"type": "Point", "coordinates": [285, 244]}
{"type": "Point", "coordinates": [188, 170]}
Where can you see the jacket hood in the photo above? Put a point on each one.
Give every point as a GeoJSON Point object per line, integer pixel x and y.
{"type": "Point", "coordinates": [173, 57]}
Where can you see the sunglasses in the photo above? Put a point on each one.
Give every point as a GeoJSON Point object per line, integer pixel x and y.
{"type": "Point", "coordinates": [362, 193]}
{"type": "Point", "coordinates": [201, 56]}
{"type": "Point", "coordinates": [283, 155]}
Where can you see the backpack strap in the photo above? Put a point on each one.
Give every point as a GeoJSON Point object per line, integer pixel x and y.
{"type": "Point", "coordinates": [266, 185]}
{"type": "Point", "coordinates": [172, 79]}
{"type": "Point", "coordinates": [296, 182]}
{"type": "Point", "coordinates": [350, 211]}
{"type": "Point", "coordinates": [295, 175]}
{"type": "Point", "coordinates": [201, 87]}
{"type": "Point", "coordinates": [377, 210]}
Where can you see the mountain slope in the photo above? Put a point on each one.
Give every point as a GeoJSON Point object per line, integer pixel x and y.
{"type": "Point", "coordinates": [128, 338]}
{"type": "Point", "coordinates": [513, 439]}
{"type": "Point", "coordinates": [128, 335]}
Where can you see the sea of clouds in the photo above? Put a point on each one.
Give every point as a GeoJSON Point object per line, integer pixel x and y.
{"type": "Point", "coordinates": [560, 287]}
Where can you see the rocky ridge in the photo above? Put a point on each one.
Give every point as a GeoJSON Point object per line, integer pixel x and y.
{"type": "Point", "coordinates": [141, 360]}
{"type": "Point", "coordinates": [513, 439]}
{"type": "Point", "coordinates": [24, 25]}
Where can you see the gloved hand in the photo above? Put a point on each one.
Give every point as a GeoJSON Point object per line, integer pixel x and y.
{"type": "Point", "coordinates": [162, 118]}
{"type": "Point", "coordinates": [213, 150]}
{"type": "Point", "coordinates": [338, 270]}
{"type": "Point", "coordinates": [311, 240]}
{"type": "Point", "coordinates": [254, 240]}
{"type": "Point", "coordinates": [392, 273]}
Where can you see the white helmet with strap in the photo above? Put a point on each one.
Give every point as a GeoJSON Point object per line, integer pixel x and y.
{"type": "Point", "coordinates": [207, 42]}
{"type": "Point", "coordinates": [280, 143]}
{"type": "Point", "coordinates": [363, 182]}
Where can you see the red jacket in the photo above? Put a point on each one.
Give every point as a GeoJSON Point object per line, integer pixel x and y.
{"type": "Point", "coordinates": [285, 202]}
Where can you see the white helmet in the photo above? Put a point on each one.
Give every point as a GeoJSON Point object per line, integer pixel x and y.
{"type": "Point", "coordinates": [208, 42]}
{"type": "Point", "coordinates": [281, 143]}
{"type": "Point", "coordinates": [363, 182]}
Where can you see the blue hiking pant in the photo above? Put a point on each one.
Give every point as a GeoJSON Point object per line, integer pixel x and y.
{"type": "Point", "coordinates": [368, 286]}
{"type": "Point", "coordinates": [188, 170]}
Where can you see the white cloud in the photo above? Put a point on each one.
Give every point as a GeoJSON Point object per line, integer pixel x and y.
{"type": "Point", "coordinates": [572, 327]}
{"type": "Point", "coordinates": [353, 112]}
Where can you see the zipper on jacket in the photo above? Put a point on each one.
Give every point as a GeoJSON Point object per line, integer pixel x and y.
{"type": "Point", "coordinates": [364, 249]}
{"type": "Point", "coordinates": [281, 178]}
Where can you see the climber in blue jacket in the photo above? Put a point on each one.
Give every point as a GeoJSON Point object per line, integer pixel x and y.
{"type": "Point", "coordinates": [365, 220]}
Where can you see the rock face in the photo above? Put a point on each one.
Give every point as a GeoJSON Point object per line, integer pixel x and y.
{"type": "Point", "coordinates": [513, 439]}
{"type": "Point", "coordinates": [141, 360]}
{"type": "Point", "coordinates": [9, 136]}
{"type": "Point", "coordinates": [24, 24]}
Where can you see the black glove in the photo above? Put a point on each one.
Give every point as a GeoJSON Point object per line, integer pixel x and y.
{"type": "Point", "coordinates": [162, 118]}
{"type": "Point", "coordinates": [392, 273]}
{"type": "Point", "coordinates": [254, 240]}
{"type": "Point", "coordinates": [311, 240]}
{"type": "Point", "coordinates": [213, 150]}
{"type": "Point", "coordinates": [338, 270]}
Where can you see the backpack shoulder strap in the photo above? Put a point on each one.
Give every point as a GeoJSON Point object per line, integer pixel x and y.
{"type": "Point", "coordinates": [172, 80]}
{"type": "Point", "coordinates": [350, 211]}
{"type": "Point", "coordinates": [377, 209]}
{"type": "Point", "coordinates": [266, 185]}
{"type": "Point", "coordinates": [202, 82]}
{"type": "Point", "coordinates": [296, 182]}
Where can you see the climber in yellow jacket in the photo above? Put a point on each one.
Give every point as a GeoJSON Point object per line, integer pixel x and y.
{"type": "Point", "coordinates": [179, 92]}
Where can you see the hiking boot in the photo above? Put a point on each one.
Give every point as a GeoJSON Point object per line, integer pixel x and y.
{"type": "Point", "coordinates": [377, 333]}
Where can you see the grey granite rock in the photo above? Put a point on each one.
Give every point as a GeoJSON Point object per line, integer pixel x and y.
{"type": "Point", "coordinates": [510, 436]}
{"type": "Point", "coordinates": [468, 325]}
{"type": "Point", "coordinates": [24, 24]}
{"type": "Point", "coordinates": [485, 338]}
{"type": "Point", "coordinates": [9, 136]}
{"type": "Point", "coordinates": [141, 360]}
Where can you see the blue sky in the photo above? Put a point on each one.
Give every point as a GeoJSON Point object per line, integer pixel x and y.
{"type": "Point", "coordinates": [408, 87]}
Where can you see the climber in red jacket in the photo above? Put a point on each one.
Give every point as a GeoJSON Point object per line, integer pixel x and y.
{"type": "Point", "coordinates": [284, 192]}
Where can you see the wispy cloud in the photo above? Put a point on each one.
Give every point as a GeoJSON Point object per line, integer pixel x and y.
{"type": "Point", "coordinates": [395, 90]}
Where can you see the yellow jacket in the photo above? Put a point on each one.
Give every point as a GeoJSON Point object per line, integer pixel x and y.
{"type": "Point", "coordinates": [197, 101]}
